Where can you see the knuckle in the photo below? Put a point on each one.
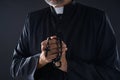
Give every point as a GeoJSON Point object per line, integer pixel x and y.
{"type": "Point", "coordinates": [42, 42]}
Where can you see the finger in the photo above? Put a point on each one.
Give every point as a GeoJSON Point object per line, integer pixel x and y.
{"type": "Point", "coordinates": [52, 52]}
{"type": "Point", "coordinates": [52, 41]}
{"type": "Point", "coordinates": [53, 46]}
{"type": "Point", "coordinates": [48, 60]}
{"type": "Point", "coordinates": [63, 44]}
{"type": "Point", "coordinates": [64, 49]}
{"type": "Point", "coordinates": [43, 45]}
{"type": "Point", "coordinates": [53, 37]}
{"type": "Point", "coordinates": [44, 42]}
{"type": "Point", "coordinates": [52, 57]}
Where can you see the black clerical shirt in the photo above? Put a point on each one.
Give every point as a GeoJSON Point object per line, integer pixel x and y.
{"type": "Point", "coordinates": [91, 55]}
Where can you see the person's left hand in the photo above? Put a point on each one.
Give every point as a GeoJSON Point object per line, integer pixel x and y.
{"type": "Point", "coordinates": [63, 58]}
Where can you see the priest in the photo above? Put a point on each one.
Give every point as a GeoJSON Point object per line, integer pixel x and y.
{"type": "Point", "coordinates": [66, 41]}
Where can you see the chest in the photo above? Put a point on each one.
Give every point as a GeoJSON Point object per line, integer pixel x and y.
{"type": "Point", "coordinates": [78, 33]}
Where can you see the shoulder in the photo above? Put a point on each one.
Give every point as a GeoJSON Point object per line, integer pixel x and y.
{"type": "Point", "coordinates": [89, 10]}
{"type": "Point", "coordinates": [35, 17]}
{"type": "Point", "coordinates": [91, 13]}
{"type": "Point", "coordinates": [39, 13]}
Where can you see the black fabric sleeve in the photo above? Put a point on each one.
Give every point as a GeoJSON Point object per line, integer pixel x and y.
{"type": "Point", "coordinates": [23, 64]}
{"type": "Point", "coordinates": [107, 63]}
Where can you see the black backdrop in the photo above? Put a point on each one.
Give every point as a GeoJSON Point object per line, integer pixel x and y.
{"type": "Point", "coordinates": [12, 16]}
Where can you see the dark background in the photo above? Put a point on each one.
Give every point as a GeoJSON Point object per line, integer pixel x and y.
{"type": "Point", "coordinates": [12, 16]}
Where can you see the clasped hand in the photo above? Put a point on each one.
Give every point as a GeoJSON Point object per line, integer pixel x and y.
{"type": "Point", "coordinates": [52, 53]}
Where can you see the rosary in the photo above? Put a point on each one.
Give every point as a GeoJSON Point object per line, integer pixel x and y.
{"type": "Point", "coordinates": [56, 61]}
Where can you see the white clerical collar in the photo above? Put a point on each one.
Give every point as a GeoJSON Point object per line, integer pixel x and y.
{"type": "Point", "coordinates": [59, 10]}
